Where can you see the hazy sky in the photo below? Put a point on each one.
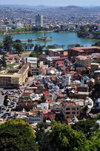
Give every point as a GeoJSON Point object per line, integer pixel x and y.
{"type": "Point", "coordinates": [53, 2]}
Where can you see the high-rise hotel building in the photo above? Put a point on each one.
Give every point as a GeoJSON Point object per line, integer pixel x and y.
{"type": "Point", "coordinates": [39, 20]}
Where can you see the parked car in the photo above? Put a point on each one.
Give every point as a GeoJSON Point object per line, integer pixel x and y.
{"type": "Point", "coordinates": [1, 112]}
{"type": "Point", "coordinates": [7, 110]}
{"type": "Point", "coordinates": [9, 114]}
{"type": "Point", "coordinates": [4, 116]}
{"type": "Point", "coordinates": [3, 108]}
{"type": "Point", "coordinates": [2, 93]}
{"type": "Point", "coordinates": [10, 106]}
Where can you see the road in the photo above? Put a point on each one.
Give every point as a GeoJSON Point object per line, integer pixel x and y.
{"type": "Point", "coordinates": [2, 96]}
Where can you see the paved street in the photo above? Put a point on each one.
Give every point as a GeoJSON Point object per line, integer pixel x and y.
{"type": "Point", "coordinates": [1, 98]}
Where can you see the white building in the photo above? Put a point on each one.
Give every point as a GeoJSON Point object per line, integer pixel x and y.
{"type": "Point", "coordinates": [32, 62]}
{"type": "Point", "coordinates": [39, 20]}
{"type": "Point", "coordinates": [17, 25]}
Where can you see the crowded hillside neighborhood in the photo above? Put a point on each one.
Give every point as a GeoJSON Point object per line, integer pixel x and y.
{"type": "Point", "coordinates": [44, 86]}
{"type": "Point", "coordinates": [58, 85]}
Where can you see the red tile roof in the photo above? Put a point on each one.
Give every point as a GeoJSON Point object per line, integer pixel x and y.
{"type": "Point", "coordinates": [68, 120]}
{"type": "Point", "coordinates": [26, 94]}
{"type": "Point", "coordinates": [46, 93]}
{"type": "Point", "coordinates": [81, 49]}
{"type": "Point", "coordinates": [50, 115]}
{"type": "Point", "coordinates": [59, 58]}
{"type": "Point", "coordinates": [62, 95]}
{"type": "Point", "coordinates": [69, 104]}
{"type": "Point", "coordinates": [22, 70]}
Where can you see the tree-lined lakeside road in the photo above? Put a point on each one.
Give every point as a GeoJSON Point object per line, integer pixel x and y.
{"type": "Point", "coordinates": [61, 38]}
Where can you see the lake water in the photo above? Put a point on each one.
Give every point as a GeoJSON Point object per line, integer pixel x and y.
{"type": "Point", "coordinates": [61, 38]}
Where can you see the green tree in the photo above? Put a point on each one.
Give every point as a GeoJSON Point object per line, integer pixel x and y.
{"type": "Point", "coordinates": [25, 46]}
{"type": "Point", "coordinates": [18, 47]}
{"type": "Point", "coordinates": [70, 46]}
{"type": "Point", "coordinates": [33, 54]}
{"type": "Point", "coordinates": [5, 100]}
{"type": "Point", "coordinates": [96, 91]}
{"type": "Point", "coordinates": [1, 46]}
{"type": "Point", "coordinates": [36, 48]}
{"type": "Point", "coordinates": [86, 126]}
{"type": "Point", "coordinates": [31, 46]}
{"type": "Point", "coordinates": [95, 141]}
{"type": "Point", "coordinates": [63, 138]}
{"type": "Point", "coordinates": [7, 41]}
{"type": "Point", "coordinates": [3, 61]}
{"type": "Point", "coordinates": [51, 47]}
{"type": "Point", "coordinates": [18, 40]}
{"type": "Point", "coordinates": [17, 135]}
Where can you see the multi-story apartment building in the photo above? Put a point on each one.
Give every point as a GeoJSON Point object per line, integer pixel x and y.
{"type": "Point", "coordinates": [32, 62]}
{"type": "Point", "coordinates": [70, 109]}
{"type": "Point", "coordinates": [39, 20]}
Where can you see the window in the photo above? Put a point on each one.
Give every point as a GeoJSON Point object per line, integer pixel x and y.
{"type": "Point", "coordinates": [77, 108]}
{"type": "Point", "coordinates": [73, 112]}
{"type": "Point", "coordinates": [73, 108]}
{"type": "Point", "coordinates": [67, 108]}
{"type": "Point", "coordinates": [67, 112]}
{"type": "Point", "coordinates": [77, 112]}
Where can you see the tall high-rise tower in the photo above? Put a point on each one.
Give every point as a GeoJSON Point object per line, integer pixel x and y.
{"type": "Point", "coordinates": [39, 20]}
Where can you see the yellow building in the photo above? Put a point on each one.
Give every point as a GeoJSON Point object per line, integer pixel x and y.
{"type": "Point", "coordinates": [14, 79]}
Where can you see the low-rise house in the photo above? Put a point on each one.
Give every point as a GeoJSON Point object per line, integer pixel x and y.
{"type": "Point", "coordinates": [49, 116]}
{"type": "Point", "coordinates": [94, 66]}
{"type": "Point", "coordinates": [57, 108]}
{"type": "Point", "coordinates": [83, 88]}
{"type": "Point", "coordinates": [97, 73]}
{"type": "Point", "coordinates": [35, 116]}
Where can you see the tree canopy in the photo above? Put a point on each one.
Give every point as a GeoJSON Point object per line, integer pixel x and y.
{"type": "Point", "coordinates": [7, 41]}
{"type": "Point", "coordinates": [33, 54]}
{"type": "Point", "coordinates": [86, 126]}
{"type": "Point", "coordinates": [17, 135]}
{"type": "Point", "coordinates": [63, 138]}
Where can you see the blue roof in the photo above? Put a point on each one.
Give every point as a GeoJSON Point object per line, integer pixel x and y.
{"type": "Point", "coordinates": [66, 60]}
{"type": "Point", "coordinates": [44, 104]}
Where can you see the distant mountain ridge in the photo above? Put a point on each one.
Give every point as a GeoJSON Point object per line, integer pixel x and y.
{"type": "Point", "coordinates": [26, 6]}
{"type": "Point", "coordinates": [42, 6]}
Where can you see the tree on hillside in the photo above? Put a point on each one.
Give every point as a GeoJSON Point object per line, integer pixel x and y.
{"type": "Point", "coordinates": [1, 46]}
{"type": "Point", "coordinates": [3, 61]}
{"type": "Point", "coordinates": [33, 54]}
{"type": "Point", "coordinates": [18, 40]}
{"type": "Point", "coordinates": [25, 46]}
{"type": "Point", "coordinates": [86, 126]}
{"type": "Point", "coordinates": [17, 135]}
{"type": "Point", "coordinates": [51, 47]}
{"type": "Point", "coordinates": [7, 41]}
{"type": "Point", "coordinates": [18, 47]}
{"type": "Point", "coordinates": [96, 92]}
{"type": "Point", "coordinates": [5, 100]}
{"type": "Point", "coordinates": [36, 48]}
{"type": "Point", "coordinates": [63, 138]}
{"type": "Point", "coordinates": [70, 46]}
{"type": "Point", "coordinates": [30, 46]}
